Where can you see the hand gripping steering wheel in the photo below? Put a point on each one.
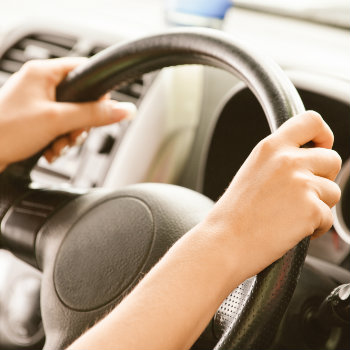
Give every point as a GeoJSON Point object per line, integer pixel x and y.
{"type": "Point", "coordinates": [93, 247]}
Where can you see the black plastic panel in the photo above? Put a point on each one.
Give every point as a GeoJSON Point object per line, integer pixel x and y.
{"type": "Point", "coordinates": [242, 124]}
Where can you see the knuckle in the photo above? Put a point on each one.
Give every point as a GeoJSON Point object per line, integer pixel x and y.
{"type": "Point", "coordinates": [315, 118]}
{"type": "Point", "coordinates": [314, 214]}
{"type": "Point", "coordinates": [288, 160]}
{"type": "Point", "coordinates": [319, 124]}
{"type": "Point", "coordinates": [51, 78]}
{"type": "Point", "coordinates": [330, 194]}
{"type": "Point", "coordinates": [336, 193]}
{"type": "Point", "coordinates": [303, 181]}
{"type": "Point", "coordinates": [266, 146]}
{"type": "Point", "coordinates": [302, 186]}
{"type": "Point", "coordinates": [337, 161]}
{"type": "Point", "coordinates": [327, 219]}
{"type": "Point", "coordinates": [32, 67]}
{"type": "Point", "coordinates": [321, 215]}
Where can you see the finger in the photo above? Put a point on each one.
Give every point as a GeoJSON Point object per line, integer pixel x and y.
{"type": "Point", "coordinates": [2, 167]}
{"type": "Point", "coordinates": [60, 146]}
{"type": "Point", "coordinates": [72, 116]}
{"type": "Point", "coordinates": [326, 219]}
{"type": "Point", "coordinates": [322, 162]}
{"type": "Point", "coordinates": [106, 96]}
{"type": "Point", "coordinates": [77, 137]}
{"type": "Point", "coordinates": [48, 154]}
{"type": "Point", "coordinates": [328, 191]}
{"type": "Point", "coordinates": [56, 68]}
{"type": "Point", "coordinates": [60, 67]}
{"type": "Point", "coordinates": [306, 127]}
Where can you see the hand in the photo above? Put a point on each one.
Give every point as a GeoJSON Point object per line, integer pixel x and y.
{"type": "Point", "coordinates": [281, 194]}
{"type": "Point", "coordinates": [30, 117]}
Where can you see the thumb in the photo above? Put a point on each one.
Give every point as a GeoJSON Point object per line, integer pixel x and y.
{"type": "Point", "coordinates": [72, 116]}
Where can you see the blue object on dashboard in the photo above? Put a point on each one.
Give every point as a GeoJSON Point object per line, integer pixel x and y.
{"type": "Point", "coordinates": [216, 8]}
{"type": "Point", "coordinates": [197, 12]}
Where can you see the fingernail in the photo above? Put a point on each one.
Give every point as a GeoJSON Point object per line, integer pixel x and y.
{"type": "Point", "coordinates": [81, 138]}
{"type": "Point", "coordinates": [123, 110]}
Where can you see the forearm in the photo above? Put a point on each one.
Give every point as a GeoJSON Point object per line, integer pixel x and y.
{"type": "Point", "coordinates": [30, 117]}
{"type": "Point", "coordinates": [173, 304]}
{"type": "Point", "coordinates": [281, 194]}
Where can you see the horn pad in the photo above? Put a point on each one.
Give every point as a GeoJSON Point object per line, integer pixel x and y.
{"type": "Point", "coordinates": [100, 250]}
{"type": "Point", "coordinates": [96, 248]}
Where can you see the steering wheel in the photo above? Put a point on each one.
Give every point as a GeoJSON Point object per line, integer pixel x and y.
{"type": "Point", "coordinates": [94, 246]}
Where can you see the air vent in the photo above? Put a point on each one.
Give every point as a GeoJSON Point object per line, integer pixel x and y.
{"type": "Point", "coordinates": [130, 92]}
{"type": "Point", "coordinates": [44, 46]}
{"type": "Point", "coordinates": [35, 46]}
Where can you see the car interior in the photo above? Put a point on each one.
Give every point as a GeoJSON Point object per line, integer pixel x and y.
{"type": "Point", "coordinates": [200, 113]}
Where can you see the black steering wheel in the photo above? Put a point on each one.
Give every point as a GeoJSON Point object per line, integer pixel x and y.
{"type": "Point", "coordinates": [93, 247]}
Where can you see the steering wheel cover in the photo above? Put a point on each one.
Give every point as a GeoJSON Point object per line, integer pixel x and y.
{"type": "Point", "coordinates": [273, 287]}
{"type": "Point", "coordinates": [123, 63]}
{"type": "Point", "coordinates": [255, 325]}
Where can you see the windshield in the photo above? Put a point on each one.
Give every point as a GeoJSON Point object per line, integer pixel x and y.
{"type": "Point", "coordinates": [158, 13]}
{"type": "Point", "coordinates": [332, 12]}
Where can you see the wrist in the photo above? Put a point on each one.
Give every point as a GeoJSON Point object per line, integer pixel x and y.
{"type": "Point", "coordinates": [226, 253]}
{"type": "Point", "coordinates": [244, 249]}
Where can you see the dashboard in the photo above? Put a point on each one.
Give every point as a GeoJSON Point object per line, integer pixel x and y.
{"type": "Point", "coordinates": [185, 132]}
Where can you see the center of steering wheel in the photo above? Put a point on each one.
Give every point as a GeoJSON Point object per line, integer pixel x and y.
{"type": "Point", "coordinates": [104, 251]}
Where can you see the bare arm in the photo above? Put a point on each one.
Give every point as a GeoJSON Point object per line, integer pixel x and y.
{"type": "Point", "coordinates": [281, 194]}
{"type": "Point", "coordinates": [30, 117]}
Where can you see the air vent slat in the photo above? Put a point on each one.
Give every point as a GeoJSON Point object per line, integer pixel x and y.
{"type": "Point", "coordinates": [10, 66]}
{"type": "Point", "coordinates": [54, 51]}
{"type": "Point", "coordinates": [16, 55]}
{"type": "Point", "coordinates": [122, 97]}
{"type": "Point", "coordinates": [3, 77]}
{"type": "Point", "coordinates": [62, 41]}
{"type": "Point", "coordinates": [43, 46]}
{"type": "Point", "coordinates": [34, 46]}
{"type": "Point", "coordinates": [95, 50]}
